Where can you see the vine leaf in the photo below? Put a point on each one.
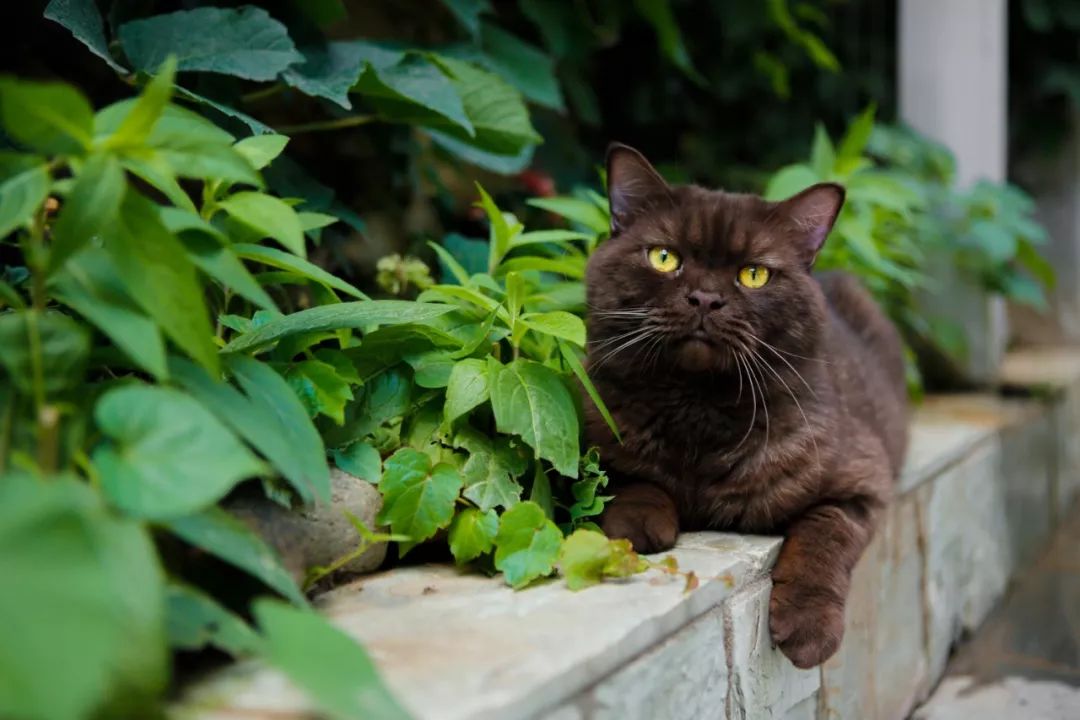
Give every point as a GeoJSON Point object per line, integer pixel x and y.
{"type": "Point", "coordinates": [587, 557]}
{"type": "Point", "coordinates": [418, 500]}
{"type": "Point", "coordinates": [527, 544]}
{"type": "Point", "coordinates": [472, 534]}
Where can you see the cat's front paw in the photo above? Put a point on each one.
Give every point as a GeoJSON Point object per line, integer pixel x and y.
{"type": "Point", "coordinates": [648, 530]}
{"type": "Point", "coordinates": [806, 623]}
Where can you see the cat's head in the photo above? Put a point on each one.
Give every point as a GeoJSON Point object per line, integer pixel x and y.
{"type": "Point", "coordinates": [697, 280]}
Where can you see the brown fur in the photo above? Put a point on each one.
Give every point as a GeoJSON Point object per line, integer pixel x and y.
{"type": "Point", "coordinates": [805, 439]}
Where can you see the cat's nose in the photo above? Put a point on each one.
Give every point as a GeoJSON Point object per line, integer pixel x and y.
{"type": "Point", "coordinates": [705, 301]}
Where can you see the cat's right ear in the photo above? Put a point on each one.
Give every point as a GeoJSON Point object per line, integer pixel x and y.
{"type": "Point", "coordinates": [632, 182]}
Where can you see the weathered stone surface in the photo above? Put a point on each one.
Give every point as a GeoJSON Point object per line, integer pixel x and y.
{"type": "Point", "coordinates": [937, 441]}
{"type": "Point", "coordinates": [319, 534]}
{"type": "Point", "coordinates": [455, 645]}
{"type": "Point", "coordinates": [763, 683]}
{"type": "Point", "coordinates": [961, 698]}
{"type": "Point", "coordinates": [968, 555]}
{"type": "Point", "coordinates": [683, 678]}
{"type": "Point", "coordinates": [881, 668]}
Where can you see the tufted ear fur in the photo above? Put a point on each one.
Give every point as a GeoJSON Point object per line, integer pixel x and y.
{"type": "Point", "coordinates": [813, 212]}
{"type": "Point", "coordinates": [632, 183]}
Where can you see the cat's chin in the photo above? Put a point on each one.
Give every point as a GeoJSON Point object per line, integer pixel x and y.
{"type": "Point", "coordinates": [699, 355]}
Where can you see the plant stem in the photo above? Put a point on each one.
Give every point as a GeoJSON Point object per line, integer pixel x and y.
{"type": "Point", "coordinates": [262, 94]}
{"type": "Point", "coordinates": [324, 125]}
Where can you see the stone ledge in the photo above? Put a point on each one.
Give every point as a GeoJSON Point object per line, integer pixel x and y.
{"type": "Point", "coordinates": [986, 481]}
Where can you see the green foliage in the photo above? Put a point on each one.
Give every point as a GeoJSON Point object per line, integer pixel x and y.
{"type": "Point", "coordinates": [903, 212]}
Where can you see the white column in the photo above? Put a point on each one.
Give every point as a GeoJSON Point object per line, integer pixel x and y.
{"type": "Point", "coordinates": [952, 66]}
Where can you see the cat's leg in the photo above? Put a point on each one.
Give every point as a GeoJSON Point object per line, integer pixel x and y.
{"type": "Point", "coordinates": [813, 574]}
{"type": "Point", "coordinates": [643, 514]}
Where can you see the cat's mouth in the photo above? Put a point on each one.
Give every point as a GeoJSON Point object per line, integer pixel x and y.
{"type": "Point", "coordinates": [700, 335]}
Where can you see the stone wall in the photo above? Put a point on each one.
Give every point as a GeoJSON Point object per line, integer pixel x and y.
{"type": "Point", "coordinates": [988, 479]}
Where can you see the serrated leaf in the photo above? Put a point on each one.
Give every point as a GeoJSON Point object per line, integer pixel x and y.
{"type": "Point", "coordinates": [196, 620]}
{"type": "Point", "coordinates": [416, 90]}
{"type": "Point", "coordinates": [21, 194]}
{"type": "Point", "coordinates": [472, 534]}
{"type": "Point", "coordinates": [360, 460]}
{"type": "Point", "coordinates": [260, 150]}
{"type": "Point", "coordinates": [527, 544]}
{"type": "Point", "coordinates": [244, 42]}
{"type": "Point", "coordinates": [174, 124]}
{"type": "Point", "coordinates": [228, 539]}
{"type": "Point", "coordinates": [418, 500]}
{"type": "Point", "coordinates": [147, 110]}
{"type": "Point", "coordinates": [466, 388]}
{"type": "Point", "coordinates": [82, 19]}
{"type": "Point", "coordinates": [51, 118]}
{"type": "Point", "coordinates": [528, 68]}
{"type": "Point", "coordinates": [356, 315]}
{"type": "Point", "coordinates": [169, 456]}
{"type": "Point", "coordinates": [431, 368]}
{"type": "Point", "coordinates": [94, 204]}
{"type": "Point", "coordinates": [320, 389]}
{"type": "Point", "coordinates": [491, 470]}
{"type": "Point", "coordinates": [502, 163]}
{"type": "Point", "coordinates": [63, 348]}
{"type": "Point", "coordinates": [157, 273]}
{"type": "Point", "coordinates": [530, 400]}
{"type": "Point", "coordinates": [217, 259]}
{"type": "Point", "coordinates": [496, 110]}
{"type": "Point", "coordinates": [254, 125]}
{"type": "Point", "coordinates": [325, 663]}
{"type": "Point", "coordinates": [268, 415]}
{"type": "Point", "coordinates": [332, 70]}
{"type": "Point", "coordinates": [90, 285]}
{"type": "Point", "coordinates": [587, 557]}
{"type": "Point", "coordinates": [295, 265]}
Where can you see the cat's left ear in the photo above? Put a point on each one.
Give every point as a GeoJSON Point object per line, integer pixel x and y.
{"type": "Point", "coordinates": [813, 212]}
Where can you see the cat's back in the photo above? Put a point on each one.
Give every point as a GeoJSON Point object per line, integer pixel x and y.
{"type": "Point", "coordinates": [866, 361]}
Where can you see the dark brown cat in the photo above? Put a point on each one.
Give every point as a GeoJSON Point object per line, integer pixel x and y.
{"type": "Point", "coordinates": [751, 395]}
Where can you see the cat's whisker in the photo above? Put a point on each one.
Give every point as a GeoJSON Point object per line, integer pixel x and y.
{"type": "Point", "coordinates": [753, 399]}
{"type": "Point", "coordinates": [612, 340]}
{"type": "Point", "coordinates": [642, 334]}
{"type": "Point", "coordinates": [753, 363]}
{"type": "Point", "coordinates": [806, 420]}
{"type": "Point", "coordinates": [784, 360]}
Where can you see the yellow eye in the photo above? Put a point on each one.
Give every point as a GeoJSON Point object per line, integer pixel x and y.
{"type": "Point", "coordinates": [754, 276]}
{"type": "Point", "coordinates": [664, 260]}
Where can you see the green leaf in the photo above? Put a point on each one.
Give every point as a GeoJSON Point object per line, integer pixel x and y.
{"type": "Point", "coordinates": [90, 285]}
{"type": "Point", "coordinates": [324, 662]}
{"type": "Point", "coordinates": [174, 124]}
{"type": "Point", "coordinates": [660, 16]}
{"type": "Point", "coordinates": [571, 358]}
{"type": "Point", "coordinates": [576, 210]}
{"type": "Point", "coordinates": [260, 150]}
{"type": "Point", "coordinates": [468, 13]}
{"type": "Point", "coordinates": [196, 621]}
{"type": "Point", "coordinates": [396, 90]}
{"type": "Point", "coordinates": [491, 470]}
{"type": "Point", "coordinates": [200, 161]}
{"type": "Point", "coordinates": [502, 163]}
{"type": "Point", "coordinates": [269, 216]}
{"type": "Point", "coordinates": [50, 118]}
{"type": "Point", "coordinates": [527, 544]}
{"type": "Point", "coordinates": [170, 456]}
{"type": "Point", "coordinates": [356, 315]}
{"type": "Point", "coordinates": [1030, 259]}
{"type": "Point", "coordinates": [62, 344]}
{"type": "Point", "coordinates": [789, 181]}
{"type": "Point", "coordinates": [245, 42]}
{"type": "Point", "coordinates": [542, 237]}
{"type": "Point", "coordinates": [431, 368]}
{"type": "Point", "coordinates": [587, 557]}
{"type": "Point", "coordinates": [530, 400]}
{"type": "Point", "coordinates": [557, 324]}
{"type": "Point", "coordinates": [92, 206]}
{"type": "Point", "coordinates": [297, 266]}
{"type": "Point", "coordinates": [472, 534]}
{"type": "Point", "coordinates": [254, 125]}
{"type": "Point", "coordinates": [360, 460]}
{"type": "Point", "coordinates": [858, 135]}
{"type": "Point", "coordinates": [382, 398]}
{"type": "Point", "coordinates": [320, 389]}
{"type": "Point", "coordinates": [218, 261]}
{"type": "Point", "coordinates": [139, 123]}
{"type": "Point", "coordinates": [85, 618]}
{"type": "Point", "coordinates": [527, 68]}
{"type": "Point", "coordinates": [268, 415]}
{"type": "Point", "coordinates": [158, 275]}
{"type": "Point", "coordinates": [540, 492]}
{"type": "Point", "coordinates": [418, 500]}
{"type": "Point", "coordinates": [332, 70]}
{"type": "Point", "coordinates": [466, 389]}
{"type": "Point", "coordinates": [21, 194]}
{"type": "Point", "coordinates": [1022, 289]}
{"type": "Point", "coordinates": [822, 154]}
{"type": "Point", "coordinates": [223, 536]}
{"type": "Point", "coordinates": [994, 239]}
{"type": "Point", "coordinates": [82, 18]}
{"type": "Point", "coordinates": [495, 109]}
